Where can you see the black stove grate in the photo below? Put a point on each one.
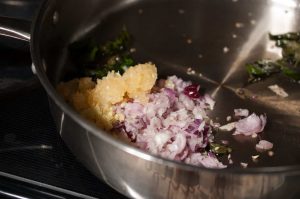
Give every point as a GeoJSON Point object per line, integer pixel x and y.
{"type": "Point", "coordinates": [35, 163]}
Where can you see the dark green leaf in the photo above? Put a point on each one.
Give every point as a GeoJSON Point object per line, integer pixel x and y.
{"type": "Point", "coordinates": [261, 69]}
{"type": "Point", "coordinates": [291, 73]}
{"type": "Point", "coordinates": [83, 51]}
{"type": "Point", "coordinates": [117, 45]}
{"type": "Point", "coordinates": [97, 60]}
{"type": "Point", "coordinates": [93, 52]}
{"type": "Point", "coordinates": [255, 70]}
{"type": "Point", "coordinates": [114, 63]}
{"type": "Point", "coordinates": [290, 44]}
{"type": "Point", "coordinates": [291, 52]}
{"type": "Point", "coordinates": [291, 36]}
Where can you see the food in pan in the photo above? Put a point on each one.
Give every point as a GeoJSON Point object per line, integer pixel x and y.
{"type": "Point", "coordinates": [96, 100]}
{"type": "Point", "coordinates": [288, 65]}
{"type": "Point", "coordinates": [96, 60]}
{"type": "Point", "coordinates": [166, 117]}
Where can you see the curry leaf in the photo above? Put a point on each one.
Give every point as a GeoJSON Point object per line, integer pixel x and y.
{"type": "Point", "coordinates": [119, 44]}
{"type": "Point", "coordinates": [262, 69]}
{"type": "Point", "coordinates": [97, 60]}
{"type": "Point", "coordinates": [291, 73]}
{"type": "Point", "coordinates": [287, 65]}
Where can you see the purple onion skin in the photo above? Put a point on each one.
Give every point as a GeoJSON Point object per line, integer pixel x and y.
{"type": "Point", "coordinates": [198, 133]}
{"type": "Point", "coordinates": [192, 91]}
{"type": "Point", "coordinates": [170, 94]}
{"type": "Point", "coordinates": [131, 136]}
{"type": "Point", "coordinates": [211, 154]}
{"type": "Point", "coordinates": [205, 134]}
{"type": "Point", "coordinates": [194, 126]}
{"type": "Point", "coordinates": [120, 126]}
{"type": "Point", "coordinates": [198, 121]}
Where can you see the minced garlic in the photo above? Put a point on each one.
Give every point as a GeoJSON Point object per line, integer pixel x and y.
{"type": "Point", "coordinates": [95, 100]}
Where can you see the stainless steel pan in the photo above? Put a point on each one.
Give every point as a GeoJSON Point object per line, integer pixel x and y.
{"type": "Point", "coordinates": [215, 38]}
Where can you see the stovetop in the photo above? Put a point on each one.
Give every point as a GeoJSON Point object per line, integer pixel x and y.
{"type": "Point", "coordinates": [34, 161]}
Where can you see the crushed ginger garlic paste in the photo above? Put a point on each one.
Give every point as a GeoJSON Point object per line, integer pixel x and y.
{"type": "Point", "coordinates": [95, 100]}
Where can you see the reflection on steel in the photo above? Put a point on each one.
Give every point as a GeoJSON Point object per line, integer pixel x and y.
{"type": "Point", "coordinates": [95, 157]}
{"type": "Point", "coordinates": [138, 174]}
{"type": "Point", "coordinates": [24, 148]}
{"type": "Point", "coordinates": [11, 195]}
{"type": "Point", "coordinates": [285, 3]}
{"type": "Point", "coordinates": [149, 176]}
{"type": "Point", "coordinates": [15, 28]}
{"type": "Point", "coordinates": [61, 120]}
{"type": "Point", "coordinates": [14, 34]}
{"type": "Point", "coordinates": [48, 186]}
{"type": "Point", "coordinates": [254, 37]}
{"type": "Point", "coordinates": [132, 192]}
{"type": "Point", "coordinates": [15, 2]}
{"type": "Point", "coordinates": [33, 69]}
{"type": "Point", "coordinates": [281, 17]}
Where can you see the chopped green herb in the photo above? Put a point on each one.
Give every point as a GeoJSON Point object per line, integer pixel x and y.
{"type": "Point", "coordinates": [93, 53]}
{"type": "Point", "coordinates": [287, 65]}
{"type": "Point", "coordinates": [291, 73]}
{"type": "Point", "coordinates": [262, 69]}
{"type": "Point", "coordinates": [117, 64]}
{"type": "Point", "coordinates": [292, 36]}
{"type": "Point", "coordinates": [117, 45]}
{"type": "Point", "coordinates": [97, 60]}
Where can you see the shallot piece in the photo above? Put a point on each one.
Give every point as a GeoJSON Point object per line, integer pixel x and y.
{"type": "Point", "coordinates": [208, 161]}
{"type": "Point", "coordinates": [228, 127]}
{"type": "Point", "coordinates": [241, 112]}
{"type": "Point", "coordinates": [278, 90]}
{"type": "Point", "coordinates": [250, 125]}
{"type": "Point", "coordinates": [173, 124]}
{"type": "Point", "coordinates": [228, 118]}
{"type": "Point", "coordinates": [264, 145]}
{"type": "Point", "coordinates": [244, 164]}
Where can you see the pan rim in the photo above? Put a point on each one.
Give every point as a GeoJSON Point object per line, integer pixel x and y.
{"type": "Point", "coordinates": [97, 132]}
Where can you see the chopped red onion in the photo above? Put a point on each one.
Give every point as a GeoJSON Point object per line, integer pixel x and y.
{"type": "Point", "coordinates": [241, 112]}
{"type": "Point", "coordinates": [192, 91]}
{"type": "Point", "coordinates": [173, 124]}
{"type": "Point", "coordinates": [209, 101]}
{"type": "Point", "coordinates": [176, 83]}
{"type": "Point", "coordinates": [161, 139]}
{"type": "Point", "coordinates": [250, 125]}
{"type": "Point", "coordinates": [171, 94]}
{"type": "Point", "coordinates": [244, 164]}
{"type": "Point", "coordinates": [264, 145]}
{"type": "Point", "coordinates": [278, 90]}
{"type": "Point", "coordinates": [228, 127]}
{"type": "Point", "coordinates": [204, 160]}
{"type": "Point", "coordinates": [270, 153]}
{"type": "Point", "coordinates": [225, 142]}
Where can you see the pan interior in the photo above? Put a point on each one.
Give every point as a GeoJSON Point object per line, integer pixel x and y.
{"type": "Point", "coordinates": [216, 39]}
